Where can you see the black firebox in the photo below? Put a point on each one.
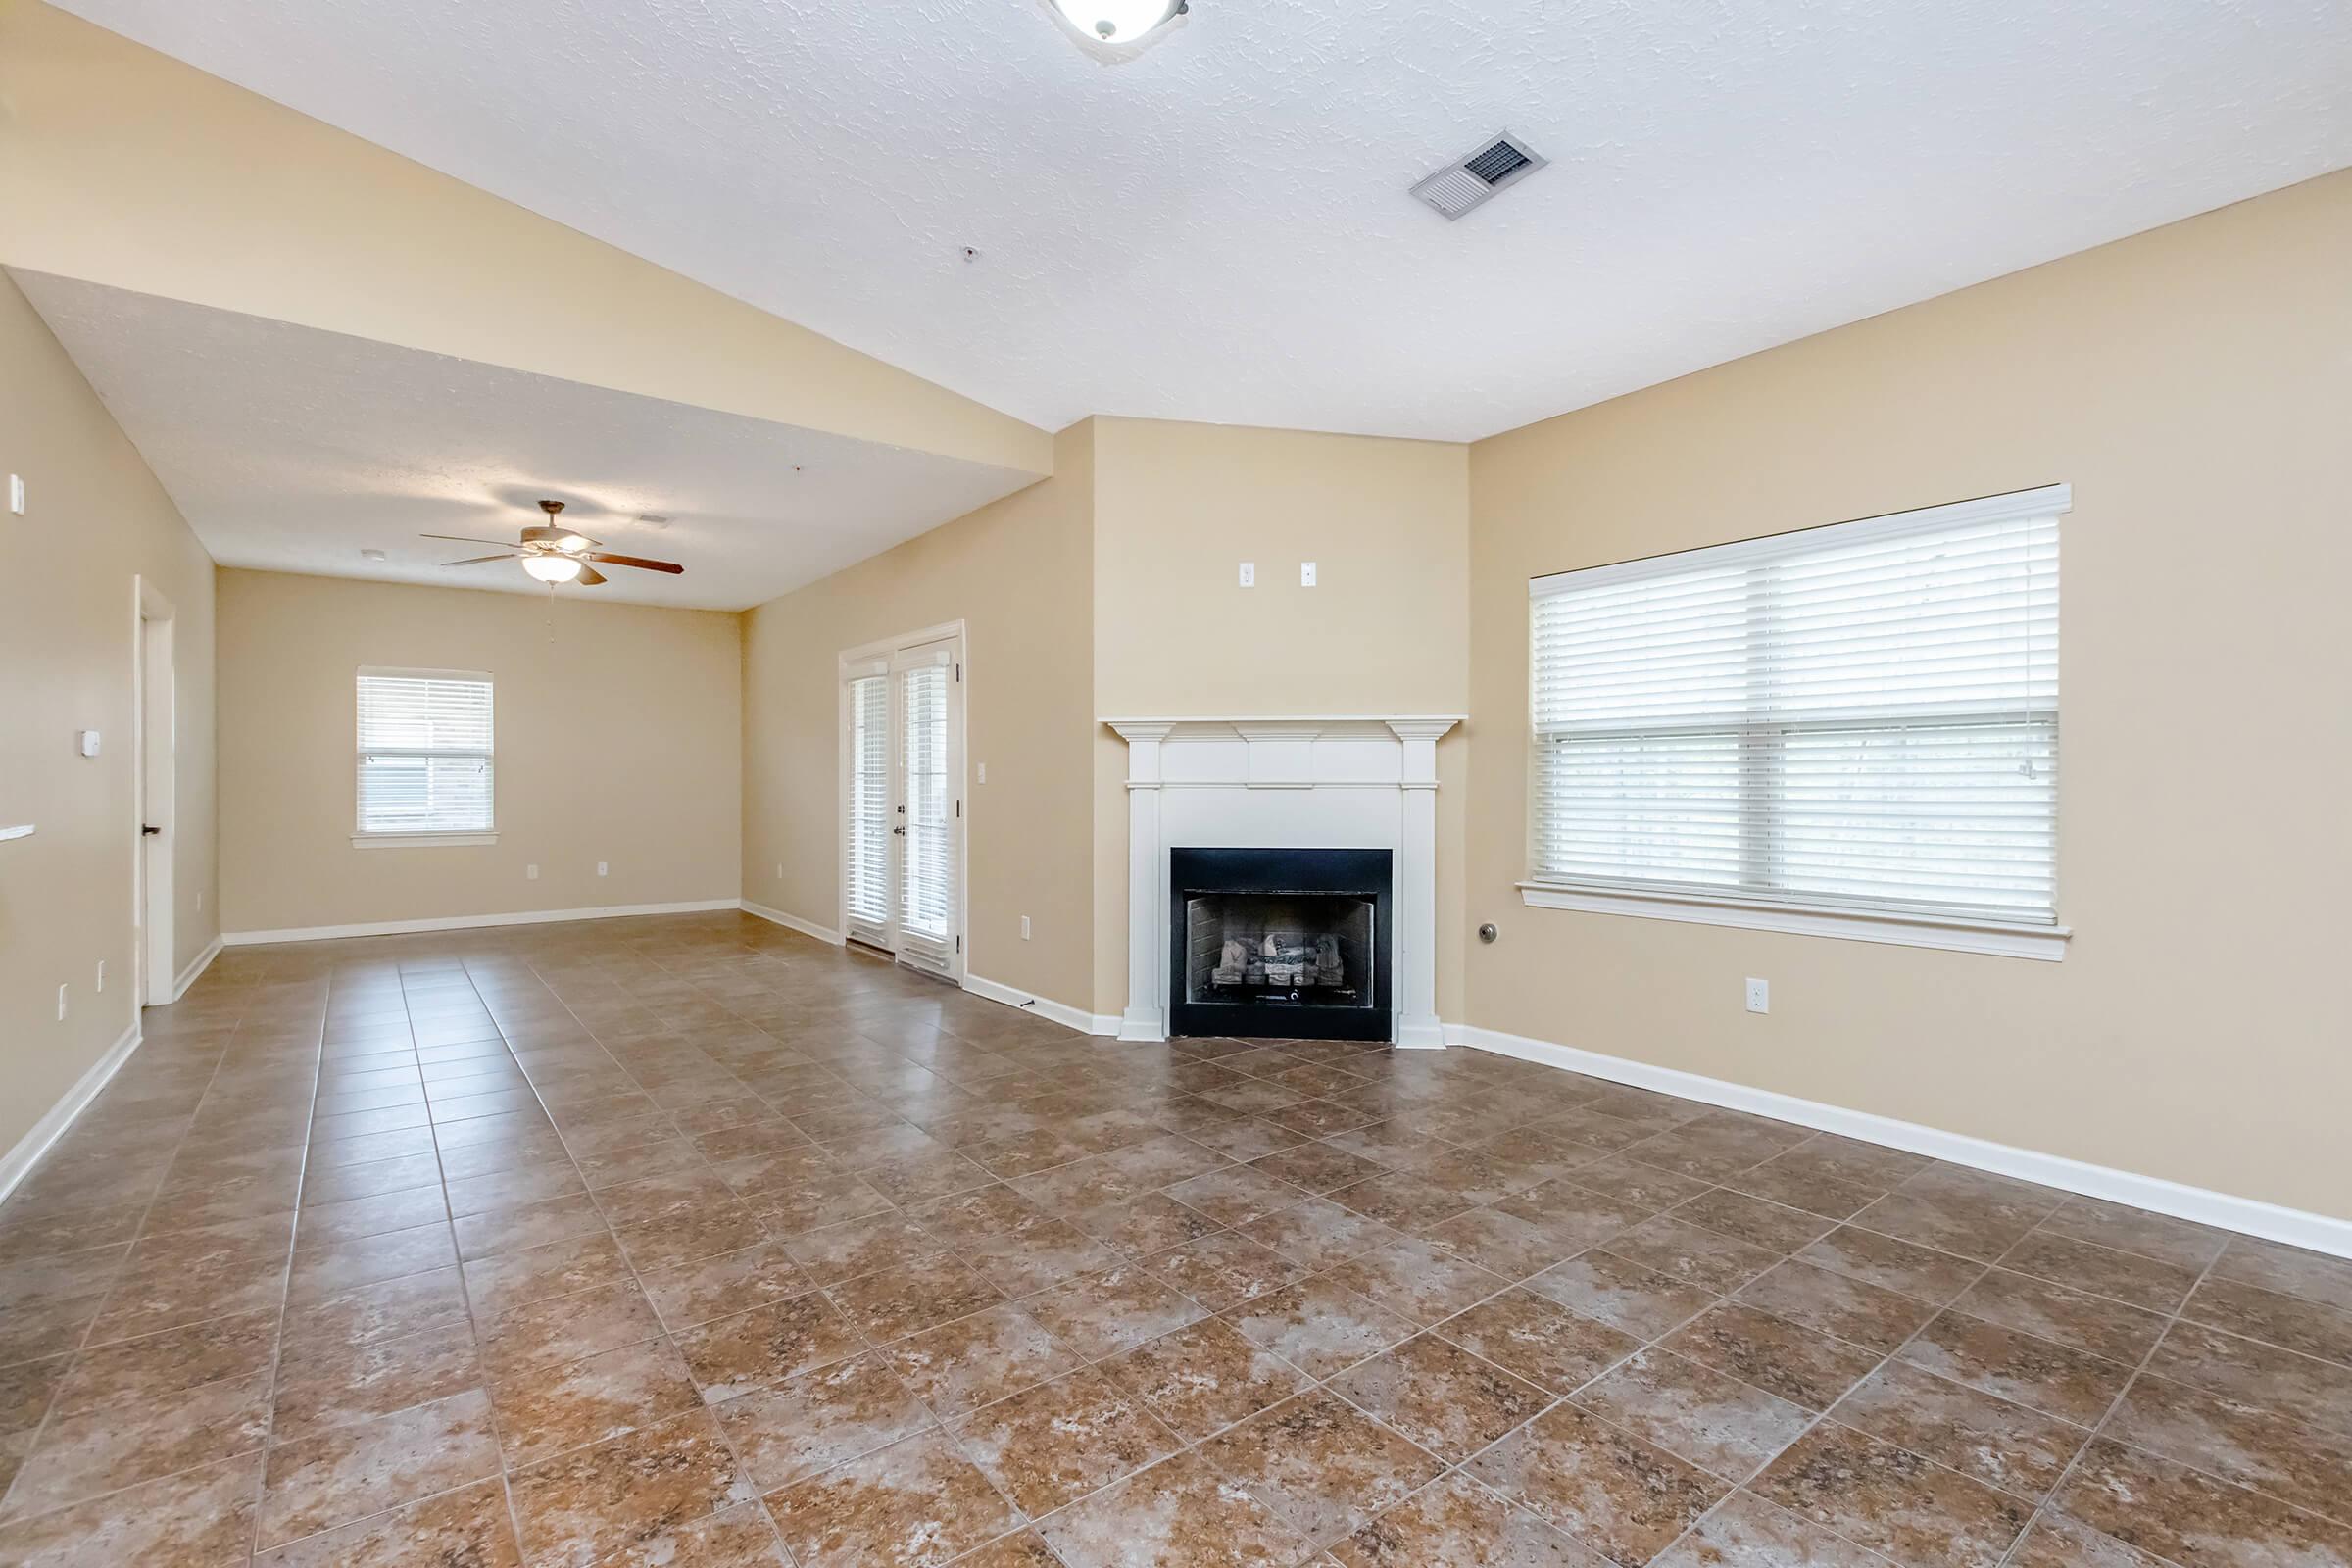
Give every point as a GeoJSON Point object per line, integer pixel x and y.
{"type": "Point", "coordinates": [1280, 944]}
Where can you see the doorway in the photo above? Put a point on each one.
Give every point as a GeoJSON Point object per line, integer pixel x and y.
{"type": "Point", "coordinates": [902, 799]}
{"type": "Point", "coordinates": [155, 744]}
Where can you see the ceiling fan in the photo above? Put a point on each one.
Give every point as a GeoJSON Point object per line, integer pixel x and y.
{"type": "Point", "coordinates": [554, 554]}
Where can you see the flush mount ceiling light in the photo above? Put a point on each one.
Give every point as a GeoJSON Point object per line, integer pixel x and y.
{"type": "Point", "coordinates": [1118, 23]}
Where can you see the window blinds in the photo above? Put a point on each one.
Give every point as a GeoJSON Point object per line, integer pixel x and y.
{"type": "Point", "coordinates": [866, 855]}
{"type": "Point", "coordinates": [1861, 716]}
{"type": "Point", "coordinates": [925, 874]}
{"type": "Point", "coordinates": [425, 761]}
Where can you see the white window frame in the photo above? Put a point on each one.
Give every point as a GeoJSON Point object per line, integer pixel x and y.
{"type": "Point", "coordinates": [462, 838]}
{"type": "Point", "coordinates": [880, 658]}
{"type": "Point", "coordinates": [1796, 915]}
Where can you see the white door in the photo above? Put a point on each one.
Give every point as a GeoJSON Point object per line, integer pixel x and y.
{"type": "Point", "coordinates": [157, 770]}
{"type": "Point", "coordinates": [902, 803]}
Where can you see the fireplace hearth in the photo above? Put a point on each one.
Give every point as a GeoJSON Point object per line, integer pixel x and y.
{"type": "Point", "coordinates": [1282, 944]}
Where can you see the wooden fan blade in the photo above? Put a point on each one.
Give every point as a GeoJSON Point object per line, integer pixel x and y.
{"type": "Point", "coordinates": [469, 539]}
{"type": "Point", "coordinates": [590, 578]}
{"type": "Point", "coordinates": [670, 566]}
{"type": "Point", "coordinates": [545, 535]}
{"type": "Point", "coordinates": [475, 560]}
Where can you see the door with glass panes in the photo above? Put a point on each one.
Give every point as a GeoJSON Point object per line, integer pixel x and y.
{"type": "Point", "coordinates": [903, 802]}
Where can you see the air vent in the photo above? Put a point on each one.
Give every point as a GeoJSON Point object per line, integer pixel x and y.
{"type": "Point", "coordinates": [1499, 161]}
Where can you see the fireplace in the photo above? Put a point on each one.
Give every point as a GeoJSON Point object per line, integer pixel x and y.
{"type": "Point", "coordinates": [1281, 944]}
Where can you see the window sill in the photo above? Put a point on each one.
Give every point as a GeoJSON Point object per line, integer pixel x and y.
{"type": "Point", "coordinates": [2009, 941]}
{"type": "Point", "coordinates": [420, 841]}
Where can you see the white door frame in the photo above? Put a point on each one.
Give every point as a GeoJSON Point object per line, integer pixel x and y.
{"type": "Point", "coordinates": [155, 771]}
{"type": "Point", "coordinates": [885, 650]}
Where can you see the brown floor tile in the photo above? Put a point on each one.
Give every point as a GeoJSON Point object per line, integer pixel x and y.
{"type": "Point", "coordinates": [163, 1364]}
{"type": "Point", "coordinates": [1637, 1301]}
{"type": "Point", "coordinates": [566, 1328]}
{"type": "Point", "coordinates": [1099, 1315]}
{"type": "Point", "coordinates": [633, 1491]}
{"type": "Point", "coordinates": [1691, 1256]}
{"type": "Point", "coordinates": [1223, 1270]}
{"type": "Point", "coordinates": [1323, 1466]}
{"type": "Point", "coordinates": [1456, 1523]}
{"type": "Point", "coordinates": [1439, 1394]}
{"type": "Point", "coordinates": [468, 1526]}
{"type": "Point", "coordinates": [1417, 1279]}
{"type": "Point", "coordinates": [1892, 1501]}
{"type": "Point", "coordinates": [2273, 1317]}
{"type": "Point", "coordinates": [125, 1445]}
{"type": "Point", "coordinates": [1205, 1377]}
{"type": "Point", "coordinates": [807, 1425]}
{"type": "Point", "coordinates": [1718, 1423]}
{"type": "Point", "coordinates": [1890, 1264]}
{"type": "Point", "coordinates": [322, 1385]}
{"type": "Point", "coordinates": [200, 1516]}
{"type": "Point", "coordinates": [2096, 1323]}
{"type": "Point", "coordinates": [2055, 1541]}
{"type": "Point", "coordinates": [913, 1297]}
{"type": "Point", "coordinates": [1835, 1305]}
{"type": "Point", "coordinates": [1758, 1221]}
{"type": "Point", "coordinates": [1177, 1514]}
{"type": "Point", "coordinates": [733, 1356]}
{"type": "Point", "coordinates": [2056, 1379]}
{"type": "Point", "coordinates": [547, 1409]}
{"type": "Point", "coordinates": [1798, 1363]}
{"type": "Point", "coordinates": [2306, 1466]}
{"type": "Point", "coordinates": [973, 1361]}
{"type": "Point", "coordinates": [1538, 1340]}
{"type": "Point", "coordinates": [335, 1268]}
{"type": "Point", "coordinates": [1053, 1443]}
{"type": "Point", "coordinates": [1318, 1234]}
{"type": "Point", "coordinates": [2317, 1392]}
{"type": "Point", "coordinates": [1599, 1483]}
{"type": "Point", "coordinates": [348, 1473]}
{"type": "Point", "coordinates": [687, 1294]}
{"type": "Point", "coordinates": [1746, 1532]}
{"type": "Point", "coordinates": [2268, 1265]}
{"type": "Point", "coordinates": [413, 1304]}
{"type": "Point", "coordinates": [2144, 1281]}
{"type": "Point", "coordinates": [1237, 1194]}
{"type": "Point", "coordinates": [1319, 1326]}
{"type": "Point", "coordinates": [2136, 1229]}
{"type": "Point", "coordinates": [2190, 1518]}
{"type": "Point", "coordinates": [915, 1503]}
{"type": "Point", "coordinates": [2000, 1444]}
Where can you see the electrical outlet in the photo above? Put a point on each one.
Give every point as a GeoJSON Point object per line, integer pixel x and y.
{"type": "Point", "coordinates": [983, 773]}
{"type": "Point", "coordinates": [1306, 574]}
{"type": "Point", "coordinates": [61, 1004]}
{"type": "Point", "coordinates": [200, 902]}
{"type": "Point", "coordinates": [530, 873]}
{"type": "Point", "coordinates": [602, 868]}
{"type": "Point", "coordinates": [1759, 995]}
{"type": "Point", "coordinates": [15, 494]}
{"type": "Point", "coordinates": [1024, 928]}
{"type": "Point", "coordinates": [102, 976]}
{"type": "Point", "coordinates": [779, 870]}
{"type": "Point", "coordinates": [1249, 573]}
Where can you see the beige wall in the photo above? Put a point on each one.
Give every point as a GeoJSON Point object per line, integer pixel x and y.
{"type": "Point", "coordinates": [618, 736]}
{"type": "Point", "coordinates": [2194, 385]}
{"type": "Point", "coordinates": [1017, 572]}
{"type": "Point", "coordinates": [1178, 508]}
{"type": "Point", "coordinates": [125, 167]}
{"type": "Point", "coordinates": [96, 521]}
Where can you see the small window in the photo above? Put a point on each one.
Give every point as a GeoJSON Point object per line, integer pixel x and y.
{"type": "Point", "coordinates": [425, 763]}
{"type": "Point", "coordinates": [1861, 716]}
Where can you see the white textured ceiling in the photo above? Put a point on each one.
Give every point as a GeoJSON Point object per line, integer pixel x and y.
{"type": "Point", "coordinates": [292, 450]}
{"type": "Point", "coordinates": [1219, 229]}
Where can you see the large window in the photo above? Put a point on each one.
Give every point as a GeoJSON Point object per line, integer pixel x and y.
{"type": "Point", "coordinates": [1859, 717]}
{"type": "Point", "coordinates": [426, 769]}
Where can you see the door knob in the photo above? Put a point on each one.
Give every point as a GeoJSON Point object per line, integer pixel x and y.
{"type": "Point", "coordinates": [149, 828]}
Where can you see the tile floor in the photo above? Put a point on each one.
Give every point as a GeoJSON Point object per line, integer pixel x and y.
{"type": "Point", "coordinates": [691, 1241]}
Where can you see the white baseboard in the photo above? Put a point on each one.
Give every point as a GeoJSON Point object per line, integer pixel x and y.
{"type": "Point", "coordinates": [17, 1163]}
{"type": "Point", "coordinates": [791, 922]}
{"type": "Point", "coordinates": [468, 922]}
{"type": "Point", "coordinates": [1060, 1013]}
{"type": "Point", "coordinates": [2321, 1233]}
{"type": "Point", "coordinates": [196, 967]}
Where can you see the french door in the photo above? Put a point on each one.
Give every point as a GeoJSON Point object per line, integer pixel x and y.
{"type": "Point", "coordinates": [903, 801]}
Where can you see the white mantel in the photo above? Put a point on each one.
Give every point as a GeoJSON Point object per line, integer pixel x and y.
{"type": "Point", "coordinates": [1358, 781]}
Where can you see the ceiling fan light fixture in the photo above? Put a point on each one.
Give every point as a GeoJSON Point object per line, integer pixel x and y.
{"type": "Point", "coordinates": [1119, 23]}
{"type": "Point", "coordinates": [552, 568]}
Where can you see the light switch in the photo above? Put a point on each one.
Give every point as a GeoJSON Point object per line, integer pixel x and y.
{"type": "Point", "coordinates": [15, 494]}
{"type": "Point", "coordinates": [983, 773]}
{"type": "Point", "coordinates": [87, 741]}
{"type": "Point", "coordinates": [600, 869]}
{"type": "Point", "coordinates": [530, 873]}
